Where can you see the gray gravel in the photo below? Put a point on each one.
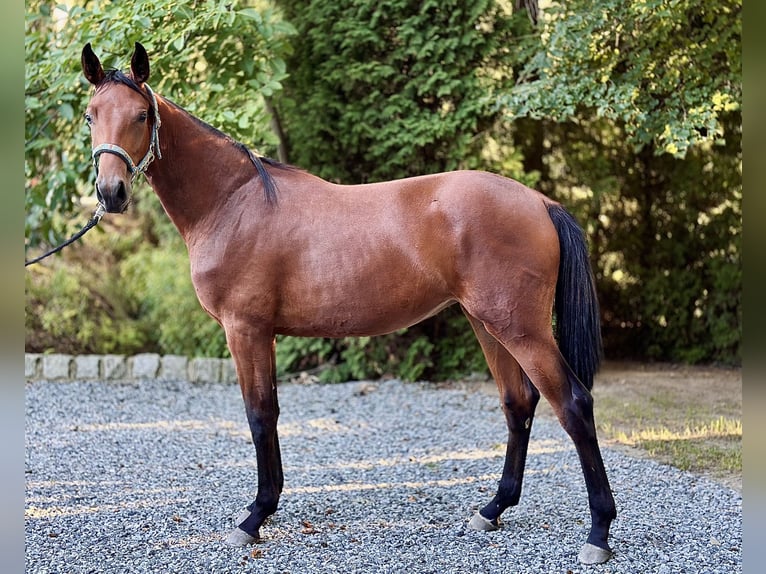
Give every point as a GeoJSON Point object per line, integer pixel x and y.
{"type": "Point", "coordinates": [379, 477]}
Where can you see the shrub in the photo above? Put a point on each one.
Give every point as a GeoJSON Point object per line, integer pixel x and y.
{"type": "Point", "coordinates": [76, 309]}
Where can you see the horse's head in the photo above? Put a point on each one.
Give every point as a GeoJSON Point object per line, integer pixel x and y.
{"type": "Point", "coordinates": [124, 123]}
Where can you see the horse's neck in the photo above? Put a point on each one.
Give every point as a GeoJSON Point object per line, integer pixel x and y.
{"type": "Point", "coordinates": [197, 170]}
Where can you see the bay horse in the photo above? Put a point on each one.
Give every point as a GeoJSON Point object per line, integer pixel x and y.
{"type": "Point", "coordinates": [273, 249]}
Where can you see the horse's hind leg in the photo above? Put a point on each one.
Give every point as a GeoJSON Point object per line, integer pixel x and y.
{"type": "Point", "coordinates": [519, 399]}
{"type": "Point", "coordinates": [539, 357]}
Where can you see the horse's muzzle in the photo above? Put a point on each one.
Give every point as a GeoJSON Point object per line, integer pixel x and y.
{"type": "Point", "coordinates": [113, 194]}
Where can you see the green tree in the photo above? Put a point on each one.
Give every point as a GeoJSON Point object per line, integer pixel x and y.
{"type": "Point", "coordinates": [394, 88]}
{"type": "Point", "coordinates": [665, 237]}
{"type": "Point", "coordinates": [631, 112]}
{"type": "Point", "coordinates": [667, 71]}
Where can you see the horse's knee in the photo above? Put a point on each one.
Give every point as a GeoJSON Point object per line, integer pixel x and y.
{"type": "Point", "coordinates": [518, 414]}
{"type": "Point", "coordinates": [518, 421]}
{"type": "Point", "coordinates": [262, 422]}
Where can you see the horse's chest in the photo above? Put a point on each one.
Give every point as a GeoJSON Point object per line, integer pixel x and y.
{"type": "Point", "coordinates": [208, 286]}
{"type": "Point", "coordinates": [231, 289]}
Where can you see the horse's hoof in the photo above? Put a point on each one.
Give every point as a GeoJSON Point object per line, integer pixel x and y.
{"type": "Point", "coordinates": [239, 537]}
{"type": "Point", "coordinates": [478, 522]}
{"type": "Point", "coordinates": [591, 554]}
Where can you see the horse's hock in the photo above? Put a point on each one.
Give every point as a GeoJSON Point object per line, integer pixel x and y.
{"type": "Point", "coordinates": [57, 366]}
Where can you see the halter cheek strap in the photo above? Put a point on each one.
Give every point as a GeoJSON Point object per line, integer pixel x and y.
{"type": "Point", "coordinates": [154, 145]}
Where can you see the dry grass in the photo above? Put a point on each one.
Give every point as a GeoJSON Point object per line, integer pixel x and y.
{"type": "Point", "coordinates": [690, 417]}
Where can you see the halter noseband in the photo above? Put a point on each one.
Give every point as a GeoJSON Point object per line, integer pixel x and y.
{"type": "Point", "coordinates": [154, 146]}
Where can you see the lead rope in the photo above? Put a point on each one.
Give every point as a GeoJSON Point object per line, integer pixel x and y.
{"type": "Point", "coordinates": [91, 223]}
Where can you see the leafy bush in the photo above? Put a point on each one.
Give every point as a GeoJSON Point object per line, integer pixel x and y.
{"type": "Point", "coordinates": [75, 304]}
{"type": "Point", "coordinates": [62, 316]}
{"type": "Point", "coordinates": [124, 288]}
{"type": "Point", "coordinates": [388, 89]}
{"type": "Point", "coordinates": [450, 351]}
{"type": "Point", "coordinates": [665, 237]}
{"type": "Point", "coordinates": [457, 352]}
{"type": "Point", "coordinates": [351, 358]}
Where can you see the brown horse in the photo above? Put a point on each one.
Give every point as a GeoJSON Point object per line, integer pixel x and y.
{"type": "Point", "coordinates": [274, 250]}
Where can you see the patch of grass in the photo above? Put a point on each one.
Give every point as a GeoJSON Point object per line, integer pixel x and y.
{"type": "Point", "coordinates": [695, 431]}
{"type": "Point", "coordinates": [714, 446]}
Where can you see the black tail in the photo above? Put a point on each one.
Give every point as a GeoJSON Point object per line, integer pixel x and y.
{"type": "Point", "coordinates": [578, 323]}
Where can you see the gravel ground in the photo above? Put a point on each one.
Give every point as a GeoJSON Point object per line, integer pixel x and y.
{"type": "Point", "coordinates": [379, 477]}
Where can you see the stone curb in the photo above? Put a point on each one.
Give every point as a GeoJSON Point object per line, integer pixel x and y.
{"type": "Point", "coordinates": [62, 367]}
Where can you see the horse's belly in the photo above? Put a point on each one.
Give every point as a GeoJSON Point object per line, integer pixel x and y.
{"type": "Point", "coordinates": [357, 316]}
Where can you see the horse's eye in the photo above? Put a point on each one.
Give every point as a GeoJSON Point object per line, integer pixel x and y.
{"type": "Point", "coordinates": [142, 117]}
{"type": "Point", "coordinates": [88, 119]}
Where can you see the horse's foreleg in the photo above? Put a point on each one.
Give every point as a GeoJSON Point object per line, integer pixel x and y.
{"type": "Point", "coordinates": [253, 355]}
{"type": "Point", "coordinates": [519, 399]}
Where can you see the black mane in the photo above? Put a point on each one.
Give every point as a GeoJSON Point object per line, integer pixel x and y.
{"type": "Point", "coordinates": [270, 189]}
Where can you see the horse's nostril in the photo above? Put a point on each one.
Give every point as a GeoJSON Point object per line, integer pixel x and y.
{"type": "Point", "coordinates": [122, 193]}
{"type": "Point", "coordinates": [113, 194]}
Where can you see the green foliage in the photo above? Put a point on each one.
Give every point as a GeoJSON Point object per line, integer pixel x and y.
{"type": "Point", "coordinates": [457, 351]}
{"type": "Point", "coordinates": [665, 238]}
{"type": "Point", "coordinates": [687, 263]}
{"type": "Point", "coordinates": [388, 89]}
{"type": "Point", "coordinates": [116, 292]}
{"type": "Point", "coordinates": [667, 70]}
{"type": "Point", "coordinates": [627, 112]}
{"type": "Point", "coordinates": [75, 304]}
{"type": "Point", "coordinates": [440, 350]}
{"type": "Point", "coordinates": [217, 58]}
{"type": "Point", "coordinates": [356, 358]}
{"type": "Point", "coordinates": [61, 315]}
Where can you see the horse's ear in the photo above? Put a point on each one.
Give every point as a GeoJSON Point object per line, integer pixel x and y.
{"type": "Point", "coordinates": [139, 64]}
{"type": "Point", "coordinates": [91, 66]}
